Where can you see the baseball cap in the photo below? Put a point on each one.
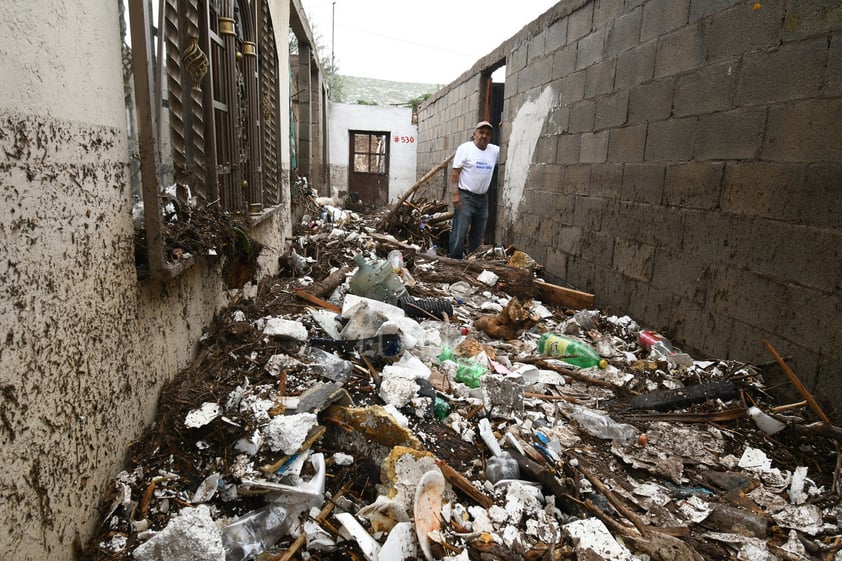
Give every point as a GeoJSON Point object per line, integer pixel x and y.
{"type": "Point", "coordinates": [483, 124]}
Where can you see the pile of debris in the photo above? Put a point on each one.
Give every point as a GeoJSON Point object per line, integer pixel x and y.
{"type": "Point", "coordinates": [471, 411]}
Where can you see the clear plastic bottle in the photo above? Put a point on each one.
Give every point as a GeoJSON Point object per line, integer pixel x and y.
{"type": "Point", "coordinates": [255, 532]}
{"type": "Point", "coordinates": [378, 281]}
{"type": "Point", "coordinates": [572, 351]}
{"type": "Point", "coordinates": [600, 425]}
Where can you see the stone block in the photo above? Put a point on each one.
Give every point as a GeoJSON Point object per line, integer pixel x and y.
{"type": "Point", "coordinates": [556, 35]}
{"type": "Point", "coordinates": [720, 238]}
{"type": "Point", "coordinates": [819, 200]}
{"type": "Point", "coordinates": [599, 78]}
{"type": "Point", "coordinates": [635, 66]}
{"type": "Point", "coordinates": [792, 71]}
{"type": "Point", "coordinates": [580, 22]}
{"type": "Point", "coordinates": [558, 120]}
{"type": "Point", "coordinates": [806, 131]}
{"type": "Point", "coordinates": [589, 50]}
{"type": "Point", "coordinates": [568, 240]}
{"type": "Point", "coordinates": [662, 16]}
{"type": "Point", "coordinates": [623, 33]}
{"type": "Point", "coordinates": [536, 48]}
{"type": "Point", "coordinates": [611, 110]}
{"type": "Point", "coordinates": [643, 183]}
{"type": "Point", "coordinates": [594, 147]}
{"type": "Point", "coordinates": [680, 51]}
{"type": "Point", "coordinates": [671, 140]}
{"type": "Point", "coordinates": [555, 266]}
{"type": "Point", "coordinates": [652, 101]}
{"type": "Point", "coordinates": [654, 224]}
{"type": "Point", "coordinates": [729, 135]}
{"type": "Point", "coordinates": [685, 276]}
{"type": "Point", "coordinates": [748, 299]}
{"type": "Point", "coordinates": [577, 178]}
{"type": "Point", "coordinates": [762, 189]}
{"type": "Point", "coordinates": [742, 29]}
{"type": "Point", "coordinates": [606, 11]}
{"type": "Point", "coordinates": [590, 213]}
{"type": "Point", "coordinates": [706, 90]}
{"type": "Point", "coordinates": [582, 116]}
{"type": "Point", "coordinates": [694, 185]}
{"type": "Point", "coordinates": [633, 259]}
{"type": "Point", "coordinates": [806, 308]}
{"type": "Point", "coordinates": [626, 144]}
{"type": "Point", "coordinates": [598, 248]}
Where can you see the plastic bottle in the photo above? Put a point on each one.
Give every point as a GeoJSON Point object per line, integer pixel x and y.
{"type": "Point", "coordinates": [660, 347]}
{"type": "Point", "coordinates": [469, 372]}
{"type": "Point", "coordinates": [378, 281]}
{"type": "Point", "coordinates": [431, 251]}
{"type": "Point", "coordinates": [572, 351]}
{"type": "Point", "coordinates": [600, 425]}
{"type": "Point", "coordinates": [255, 532]}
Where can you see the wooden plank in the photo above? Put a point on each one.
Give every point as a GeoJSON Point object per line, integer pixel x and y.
{"type": "Point", "coordinates": [567, 297]}
{"type": "Point", "coordinates": [385, 222]}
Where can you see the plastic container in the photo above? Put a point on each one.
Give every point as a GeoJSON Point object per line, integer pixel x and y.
{"type": "Point", "coordinates": [425, 307]}
{"type": "Point", "coordinates": [255, 532]}
{"type": "Point", "coordinates": [378, 281]}
{"type": "Point", "coordinates": [571, 351]}
{"type": "Point", "coordinates": [468, 372]}
{"type": "Point", "coordinates": [659, 347]}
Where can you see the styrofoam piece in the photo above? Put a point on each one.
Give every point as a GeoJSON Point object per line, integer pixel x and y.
{"type": "Point", "coordinates": [368, 545]}
{"type": "Point", "coordinates": [203, 415]}
{"type": "Point", "coordinates": [796, 486]}
{"type": "Point", "coordinates": [388, 311]}
{"type": "Point", "coordinates": [400, 544]}
{"type": "Point", "coordinates": [286, 433]}
{"type": "Point", "coordinates": [488, 278]}
{"type": "Point", "coordinates": [280, 327]}
{"type": "Point", "coordinates": [764, 422]}
{"type": "Point", "coordinates": [591, 534]}
{"type": "Point", "coordinates": [488, 437]}
{"type": "Point", "coordinates": [191, 535]}
{"type": "Point", "coordinates": [206, 490]}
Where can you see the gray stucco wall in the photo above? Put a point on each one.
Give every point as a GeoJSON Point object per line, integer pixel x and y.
{"type": "Point", "coordinates": [682, 160]}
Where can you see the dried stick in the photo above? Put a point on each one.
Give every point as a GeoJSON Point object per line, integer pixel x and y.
{"type": "Point", "coordinates": [797, 383]}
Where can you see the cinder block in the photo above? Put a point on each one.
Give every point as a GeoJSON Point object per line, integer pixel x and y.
{"type": "Point", "coordinates": [606, 180]}
{"type": "Point", "coordinates": [552, 177]}
{"type": "Point", "coordinates": [670, 140]}
{"type": "Point", "coordinates": [742, 29]}
{"type": "Point", "coordinates": [626, 144]}
{"type": "Point", "coordinates": [806, 131]}
{"type": "Point", "coordinates": [721, 238]}
{"type": "Point", "coordinates": [685, 276]}
{"type": "Point", "coordinates": [611, 110]}
{"type": "Point", "coordinates": [680, 51]}
{"type": "Point", "coordinates": [635, 66]}
{"type": "Point", "coordinates": [656, 225]}
{"type": "Point", "coordinates": [571, 88]}
{"type": "Point", "coordinates": [598, 248]}
{"type": "Point", "coordinates": [545, 150]}
{"type": "Point", "coordinates": [589, 49]}
{"type": "Point", "coordinates": [568, 239]}
{"type": "Point", "coordinates": [663, 16]}
{"type": "Point", "coordinates": [582, 116]}
{"type": "Point", "coordinates": [652, 101]}
{"type": "Point", "coordinates": [694, 185]}
{"type": "Point", "coordinates": [568, 149]}
{"type": "Point", "coordinates": [564, 62]}
{"type": "Point", "coordinates": [577, 178]}
{"type": "Point", "coordinates": [763, 189]}
{"type": "Point", "coordinates": [556, 35]}
{"type": "Point", "coordinates": [806, 18]}
{"type": "Point", "coordinates": [793, 71]}
{"type": "Point", "coordinates": [833, 74]}
{"type": "Point", "coordinates": [557, 120]}
{"type": "Point", "coordinates": [729, 135]}
{"type": "Point", "coordinates": [806, 309]}
{"type": "Point", "coordinates": [703, 8]}
{"type": "Point", "coordinates": [643, 183]}
{"type": "Point", "coordinates": [599, 78]}
{"type": "Point", "coordinates": [820, 198]}
{"type": "Point", "coordinates": [594, 147]}
{"type": "Point", "coordinates": [536, 48]}
{"type": "Point", "coordinates": [606, 12]}
{"type": "Point", "coordinates": [555, 266]}
{"type": "Point", "coordinates": [580, 22]}
{"type": "Point", "coordinates": [707, 90]}
{"type": "Point", "coordinates": [633, 259]}
{"type": "Point", "coordinates": [623, 33]}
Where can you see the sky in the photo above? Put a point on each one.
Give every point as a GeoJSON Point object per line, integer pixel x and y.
{"type": "Point", "coordinates": [429, 42]}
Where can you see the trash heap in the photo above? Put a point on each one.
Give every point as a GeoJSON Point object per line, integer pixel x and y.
{"type": "Point", "coordinates": [376, 401]}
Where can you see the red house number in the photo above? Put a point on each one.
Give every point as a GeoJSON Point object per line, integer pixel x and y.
{"type": "Point", "coordinates": [404, 139]}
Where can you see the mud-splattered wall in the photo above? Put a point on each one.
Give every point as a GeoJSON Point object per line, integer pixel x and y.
{"type": "Point", "coordinates": [85, 347]}
{"type": "Point", "coordinates": [681, 160]}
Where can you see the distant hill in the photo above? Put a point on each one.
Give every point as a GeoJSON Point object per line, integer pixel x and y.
{"type": "Point", "coordinates": [382, 92]}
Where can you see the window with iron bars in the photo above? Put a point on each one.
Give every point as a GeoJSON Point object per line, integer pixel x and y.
{"type": "Point", "coordinates": [208, 76]}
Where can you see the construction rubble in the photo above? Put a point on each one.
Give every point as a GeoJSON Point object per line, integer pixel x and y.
{"type": "Point", "coordinates": [445, 420]}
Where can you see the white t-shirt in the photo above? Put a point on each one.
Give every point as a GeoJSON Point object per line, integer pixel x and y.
{"type": "Point", "coordinates": [477, 166]}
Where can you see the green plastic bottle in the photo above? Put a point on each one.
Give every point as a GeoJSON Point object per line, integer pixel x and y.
{"type": "Point", "coordinates": [572, 351]}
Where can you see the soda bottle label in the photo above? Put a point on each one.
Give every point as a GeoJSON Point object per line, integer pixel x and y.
{"type": "Point", "coordinates": [649, 338]}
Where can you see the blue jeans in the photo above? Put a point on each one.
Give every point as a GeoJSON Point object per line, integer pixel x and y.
{"type": "Point", "coordinates": [472, 211]}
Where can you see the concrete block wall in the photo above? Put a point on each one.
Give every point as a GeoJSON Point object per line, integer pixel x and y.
{"type": "Point", "coordinates": [689, 171]}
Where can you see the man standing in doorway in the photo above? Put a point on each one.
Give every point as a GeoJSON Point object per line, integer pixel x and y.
{"type": "Point", "coordinates": [473, 167]}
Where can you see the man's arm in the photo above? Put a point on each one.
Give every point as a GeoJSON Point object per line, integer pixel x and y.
{"type": "Point", "coordinates": [454, 178]}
